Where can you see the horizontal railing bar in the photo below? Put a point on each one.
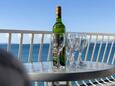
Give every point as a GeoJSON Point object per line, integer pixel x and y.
{"type": "Point", "coordinates": [94, 33]}
{"type": "Point", "coordinates": [24, 31]}
{"type": "Point", "coordinates": [49, 32]}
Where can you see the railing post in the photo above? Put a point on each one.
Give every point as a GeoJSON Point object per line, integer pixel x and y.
{"type": "Point", "coordinates": [9, 41]}
{"type": "Point", "coordinates": [20, 47]}
{"type": "Point", "coordinates": [36, 83]}
{"type": "Point", "coordinates": [100, 48]}
{"type": "Point", "coordinates": [49, 50]}
{"type": "Point", "coordinates": [86, 55]}
{"type": "Point", "coordinates": [110, 51]}
{"type": "Point", "coordinates": [40, 49]}
{"type": "Point", "coordinates": [105, 50]}
{"type": "Point", "coordinates": [31, 49]}
{"type": "Point", "coordinates": [92, 56]}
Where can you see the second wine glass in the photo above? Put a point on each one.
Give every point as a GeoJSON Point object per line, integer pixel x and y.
{"type": "Point", "coordinates": [82, 45]}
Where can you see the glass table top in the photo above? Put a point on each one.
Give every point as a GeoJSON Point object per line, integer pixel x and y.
{"type": "Point", "coordinates": [43, 71]}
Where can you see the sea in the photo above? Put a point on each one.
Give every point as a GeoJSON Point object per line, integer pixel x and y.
{"type": "Point", "coordinates": [14, 48]}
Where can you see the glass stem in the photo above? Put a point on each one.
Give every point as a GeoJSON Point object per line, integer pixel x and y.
{"type": "Point", "coordinates": [73, 60]}
{"type": "Point", "coordinates": [58, 58]}
{"type": "Point", "coordinates": [80, 58]}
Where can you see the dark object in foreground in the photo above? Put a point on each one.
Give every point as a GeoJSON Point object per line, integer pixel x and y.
{"type": "Point", "coordinates": [12, 72]}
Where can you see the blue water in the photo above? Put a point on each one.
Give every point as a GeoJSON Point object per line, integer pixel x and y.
{"type": "Point", "coordinates": [25, 53]}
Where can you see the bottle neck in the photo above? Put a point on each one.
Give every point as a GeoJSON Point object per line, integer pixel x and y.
{"type": "Point", "coordinates": [58, 19]}
{"type": "Point", "coordinates": [58, 14]}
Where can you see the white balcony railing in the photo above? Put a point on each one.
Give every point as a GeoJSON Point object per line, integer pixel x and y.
{"type": "Point", "coordinates": [101, 47]}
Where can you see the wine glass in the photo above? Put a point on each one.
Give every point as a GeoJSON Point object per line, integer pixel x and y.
{"type": "Point", "coordinates": [70, 51]}
{"type": "Point", "coordinates": [58, 44]}
{"type": "Point", "coordinates": [82, 45]}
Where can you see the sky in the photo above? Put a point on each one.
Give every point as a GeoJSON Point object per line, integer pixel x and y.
{"type": "Point", "coordinates": [77, 15]}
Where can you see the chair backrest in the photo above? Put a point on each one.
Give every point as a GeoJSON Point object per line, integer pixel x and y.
{"type": "Point", "coordinates": [12, 72]}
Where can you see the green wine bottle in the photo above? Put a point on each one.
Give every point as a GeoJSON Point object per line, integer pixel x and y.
{"type": "Point", "coordinates": [59, 29]}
